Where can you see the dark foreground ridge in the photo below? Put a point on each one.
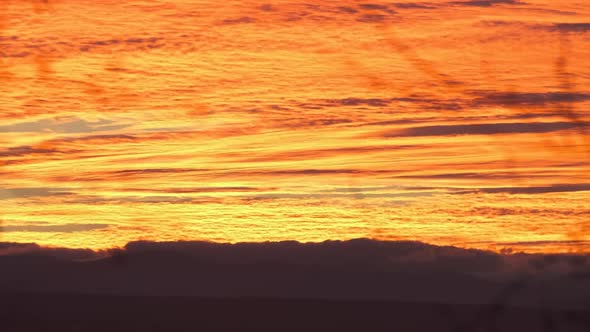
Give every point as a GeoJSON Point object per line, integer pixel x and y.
{"type": "Point", "coordinates": [52, 312]}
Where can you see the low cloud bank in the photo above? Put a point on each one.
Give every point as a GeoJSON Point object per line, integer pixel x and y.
{"type": "Point", "coordinates": [356, 269]}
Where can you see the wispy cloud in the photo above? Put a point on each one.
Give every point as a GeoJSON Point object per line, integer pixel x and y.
{"type": "Point", "coordinates": [16, 193]}
{"type": "Point", "coordinates": [253, 121]}
{"type": "Point", "coordinates": [485, 129]}
{"type": "Point", "coordinates": [557, 188]}
{"type": "Point", "coordinates": [571, 27]}
{"type": "Point", "coordinates": [67, 228]}
{"type": "Point", "coordinates": [529, 98]}
{"type": "Point", "coordinates": [487, 3]}
{"type": "Point", "coordinates": [63, 125]}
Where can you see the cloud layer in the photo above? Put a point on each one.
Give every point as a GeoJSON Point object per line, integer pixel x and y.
{"type": "Point", "coordinates": [357, 269]}
{"type": "Point", "coordinates": [451, 122]}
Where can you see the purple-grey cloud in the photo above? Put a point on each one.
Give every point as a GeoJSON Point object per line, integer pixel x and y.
{"type": "Point", "coordinates": [66, 228]}
{"type": "Point", "coordinates": [357, 269]}
{"type": "Point", "coordinates": [485, 129]}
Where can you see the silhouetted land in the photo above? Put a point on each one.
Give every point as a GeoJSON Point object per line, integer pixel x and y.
{"type": "Point", "coordinates": [50, 312]}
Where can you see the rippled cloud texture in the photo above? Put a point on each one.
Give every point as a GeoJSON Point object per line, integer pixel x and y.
{"type": "Point", "coordinates": [450, 122]}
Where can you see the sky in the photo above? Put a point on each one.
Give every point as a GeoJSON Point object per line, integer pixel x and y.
{"type": "Point", "coordinates": [448, 122]}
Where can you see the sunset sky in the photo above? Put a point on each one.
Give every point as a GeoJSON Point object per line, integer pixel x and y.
{"type": "Point", "coordinates": [460, 123]}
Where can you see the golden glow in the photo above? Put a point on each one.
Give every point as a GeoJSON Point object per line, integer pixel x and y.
{"type": "Point", "coordinates": [461, 123]}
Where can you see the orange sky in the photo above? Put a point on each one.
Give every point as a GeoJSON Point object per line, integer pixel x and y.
{"type": "Point", "coordinates": [449, 122]}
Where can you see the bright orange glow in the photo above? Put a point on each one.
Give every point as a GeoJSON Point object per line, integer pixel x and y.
{"type": "Point", "coordinates": [448, 122]}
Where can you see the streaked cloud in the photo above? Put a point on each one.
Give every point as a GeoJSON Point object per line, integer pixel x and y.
{"type": "Point", "coordinates": [63, 125]}
{"type": "Point", "coordinates": [571, 27]}
{"type": "Point", "coordinates": [16, 193]}
{"type": "Point", "coordinates": [414, 5]}
{"type": "Point", "coordinates": [451, 122]}
{"type": "Point", "coordinates": [557, 188]}
{"type": "Point", "coordinates": [67, 228]}
{"type": "Point", "coordinates": [529, 98]}
{"type": "Point", "coordinates": [486, 129]}
{"type": "Point", "coordinates": [487, 3]}
{"type": "Point", "coordinates": [239, 20]}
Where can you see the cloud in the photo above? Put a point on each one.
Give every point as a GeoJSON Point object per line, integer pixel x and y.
{"type": "Point", "coordinates": [490, 211]}
{"type": "Point", "coordinates": [143, 171]}
{"type": "Point", "coordinates": [98, 138]}
{"type": "Point", "coordinates": [371, 18]}
{"type": "Point", "coordinates": [15, 193]}
{"type": "Point", "coordinates": [486, 3]}
{"type": "Point", "coordinates": [423, 102]}
{"type": "Point", "coordinates": [541, 243]}
{"type": "Point", "coordinates": [413, 5]}
{"type": "Point", "coordinates": [63, 125]}
{"type": "Point", "coordinates": [464, 175]}
{"type": "Point", "coordinates": [149, 199]}
{"type": "Point", "coordinates": [300, 123]}
{"type": "Point", "coordinates": [134, 43]}
{"type": "Point", "coordinates": [124, 174]}
{"type": "Point", "coordinates": [340, 195]}
{"type": "Point", "coordinates": [125, 41]}
{"type": "Point", "coordinates": [266, 7]}
{"type": "Point", "coordinates": [348, 10]}
{"type": "Point", "coordinates": [67, 228]}
{"type": "Point", "coordinates": [13, 249]}
{"type": "Point", "coordinates": [309, 172]}
{"type": "Point", "coordinates": [356, 269]}
{"type": "Point", "coordinates": [326, 153]}
{"type": "Point", "coordinates": [480, 99]}
{"type": "Point", "coordinates": [529, 98]}
{"type": "Point", "coordinates": [374, 102]}
{"type": "Point", "coordinates": [363, 189]}
{"type": "Point", "coordinates": [571, 27]}
{"type": "Point", "coordinates": [239, 20]}
{"type": "Point", "coordinates": [376, 7]}
{"type": "Point", "coordinates": [141, 40]}
{"type": "Point", "coordinates": [194, 190]}
{"type": "Point", "coordinates": [20, 151]}
{"type": "Point", "coordinates": [485, 175]}
{"type": "Point", "coordinates": [556, 188]}
{"type": "Point", "coordinates": [39, 46]}
{"type": "Point", "coordinates": [485, 129]}
{"type": "Point", "coordinates": [28, 252]}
